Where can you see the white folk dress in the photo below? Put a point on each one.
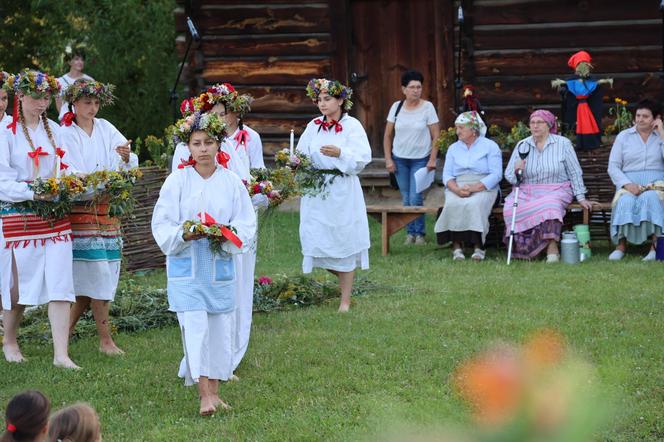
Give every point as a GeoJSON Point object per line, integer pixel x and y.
{"type": "Point", "coordinates": [250, 156]}
{"type": "Point", "coordinates": [5, 255]}
{"type": "Point", "coordinates": [44, 267]}
{"type": "Point", "coordinates": [334, 229]}
{"type": "Point", "coordinates": [97, 254]}
{"type": "Point", "coordinates": [201, 286]}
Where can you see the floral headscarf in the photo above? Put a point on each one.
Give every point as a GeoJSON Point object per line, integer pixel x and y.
{"type": "Point", "coordinates": [473, 120]}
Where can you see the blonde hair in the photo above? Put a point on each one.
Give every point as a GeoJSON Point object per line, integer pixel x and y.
{"type": "Point", "coordinates": [47, 127]}
{"type": "Point", "coordinates": [76, 423]}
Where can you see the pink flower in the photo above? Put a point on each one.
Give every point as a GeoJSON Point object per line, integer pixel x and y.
{"type": "Point", "coordinates": [265, 280]}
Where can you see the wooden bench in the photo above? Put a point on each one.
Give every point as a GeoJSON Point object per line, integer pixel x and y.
{"type": "Point", "coordinates": [600, 192]}
{"type": "Point", "coordinates": [394, 218]}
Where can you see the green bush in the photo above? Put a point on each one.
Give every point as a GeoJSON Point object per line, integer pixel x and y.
{"type": "Point", "coordinates": [131, 43]}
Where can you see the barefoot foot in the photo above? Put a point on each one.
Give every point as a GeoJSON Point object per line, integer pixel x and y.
{"type": "Point", "coordinates": [207, 407]}
{"type": "Point", "coordinates": [13, 353]}
{"type": "Point", "coordinates": [109, 348]}
{"type": "Point", "coordinates": [219, 404]}
{"type": "Point", "coordinates": [343, 307]}
{"type": "Point", "coordinates": [65, 363]}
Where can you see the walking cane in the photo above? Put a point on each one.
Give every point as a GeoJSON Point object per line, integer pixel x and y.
{"type": "Point", "coordinates": [519, 179]}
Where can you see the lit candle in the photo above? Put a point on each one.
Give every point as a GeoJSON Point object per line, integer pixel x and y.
{"type": "Point", "coordinates": [292, 140]}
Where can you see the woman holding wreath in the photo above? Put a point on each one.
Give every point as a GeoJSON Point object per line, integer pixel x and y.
{"type": "Point", "coordinates": [95, 145]}
{"type": "Point", "coordinates": [41, 263]}
{"type": "Point", "coordinates": [334, 230]}
{"type": "Point", "coordinates": [201, 278]}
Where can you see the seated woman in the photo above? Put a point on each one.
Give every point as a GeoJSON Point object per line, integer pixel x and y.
{"type": "Point", "coordinates": [473, 169]}
{"type": "Point", "coordinates": [201, 282]}
{"type": "Point", "coordinates": [552, 177]}
{"type": "Point", "coordinates": [636, 167]}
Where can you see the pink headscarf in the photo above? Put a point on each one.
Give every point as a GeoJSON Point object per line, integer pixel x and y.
{"type": "Point", "coordinates": [548, 117]}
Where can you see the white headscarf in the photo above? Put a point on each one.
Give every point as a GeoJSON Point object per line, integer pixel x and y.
{"type": "Point", "coordinates": [473, 120]}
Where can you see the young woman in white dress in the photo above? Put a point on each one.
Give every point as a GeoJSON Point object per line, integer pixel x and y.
{"type": "Point", "coordinates": [41, 250]}
{"type": "Point", "coordinates": [94, 145]}
{"type": "Point", "coordinates": [334, 230]}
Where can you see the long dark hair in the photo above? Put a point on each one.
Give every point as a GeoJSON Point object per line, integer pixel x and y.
{"type": "Point", "coordinates": [26, 416]}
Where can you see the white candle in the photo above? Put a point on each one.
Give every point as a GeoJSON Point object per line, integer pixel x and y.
{"type": "Point", "coordinates": [292, 140]}
{"type": "Point", "coordinates": [202, 208]}
{"type": "Point", "coordinates": [57, 166]}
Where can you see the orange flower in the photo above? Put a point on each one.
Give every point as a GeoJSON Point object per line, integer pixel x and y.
{"type": "Point", "coordinates": [544, 349]}
{"type": "Point", "coordinates": [493, 383]}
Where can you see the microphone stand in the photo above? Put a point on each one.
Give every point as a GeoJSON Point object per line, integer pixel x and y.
{"type": "Point", "coordinates": [174, 92]}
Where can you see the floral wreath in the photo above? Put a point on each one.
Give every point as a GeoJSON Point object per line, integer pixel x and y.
{"type": "Point", "coordinates": [332, 87]}
{"type": "Point", "coordinates": [34, 83]}
{"type": "Point", "coordinates": [211, 123]}
{"type": "Point", "coordinates": [90, 88]}
{"type": "Point", "coordinates": [73, 49]}
{"type": "Point", "coordinates": [3, 77]}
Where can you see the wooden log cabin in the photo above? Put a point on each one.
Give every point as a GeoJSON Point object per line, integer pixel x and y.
{"type": "Point", "coordinates": [510, 51]}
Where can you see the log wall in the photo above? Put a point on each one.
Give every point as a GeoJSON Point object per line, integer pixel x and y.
{"type": "Point", "coordinates": [514, 48]}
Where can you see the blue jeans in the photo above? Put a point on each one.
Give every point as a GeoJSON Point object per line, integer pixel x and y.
{"type": "Point", "coordinates": [406, 168]}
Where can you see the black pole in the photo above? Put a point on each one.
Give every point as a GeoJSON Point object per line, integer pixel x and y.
{"type": "Point", "coordinates": [661, 8]}
{"type": "Point", "coordinates": [457, 74]}
{"type": "Point", "coordinates": [174, 92]}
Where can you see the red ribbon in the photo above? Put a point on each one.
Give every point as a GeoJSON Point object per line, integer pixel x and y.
{"type": "Point", "coordinates": [68, 119]}
{"type": "Point", "coordinates": [242, 137]}
{"type": "Point", "coordinates": [12, 125]}
{"type": "Point", "coordinates": [186, 163]}
{"type": "Point", "coordinates": [11, 428]}
{"type": "Point", "coordinates": [327, 125]}
{"type": "Point", "coordinates": [61, 153]}
{"type": "Point", "coordinates": [35, 154]}
{"type": "Point", "coordinates": [208, 221]}
{"type": "Point", "coordinates": [223, 158]}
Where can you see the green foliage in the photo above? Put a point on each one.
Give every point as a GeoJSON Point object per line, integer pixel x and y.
{"type": "Point", "coordinates": [446, 139]}
{"type": "Point", "coordinates": [131, 44]}
{"type": "Point", "coordinates": [622, 117]}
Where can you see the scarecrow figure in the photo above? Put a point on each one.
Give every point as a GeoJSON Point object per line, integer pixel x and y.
{"type": "Point", "coordinates": [470, 100]}
{"type": "Point", "coordinates": [582, 102]}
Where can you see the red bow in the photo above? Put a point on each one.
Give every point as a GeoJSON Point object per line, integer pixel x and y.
{"type": "Point", "coordinates": [242, 137]}
{"type": "Point", "coordinates": [186, 163]}
{"type": "Point", "coordinates": [208, 221]}
{"type": "Point", "coordinates": [327, 125]}
{"type": "Point", "coordinates": [35, 154]}
{"type": "Point", "coordinates": [223, 158]}
{"type": "Point", "coordinates": [12, 125]}
{"type": "Point", "coordinates": [11, 428]}
{"type": "Point", "coordinates": [68, 119]}
{"type": "Point", "coordinates": [61, 153]}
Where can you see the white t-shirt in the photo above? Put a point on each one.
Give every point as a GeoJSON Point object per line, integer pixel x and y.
{"type": "Point", "coordinates": [66, 81]}
{"type": "Point", "coordinates": [412, 138]}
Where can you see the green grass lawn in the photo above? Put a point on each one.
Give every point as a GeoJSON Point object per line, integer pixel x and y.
{"type": "Point", "coordinates": [312, 374]}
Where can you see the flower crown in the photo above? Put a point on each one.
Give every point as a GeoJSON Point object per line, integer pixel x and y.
{"type": "Point", "coordinates": [33, 83]}
{"type": "Point", "coordinates": [73, 49]}
{"type": "Point", "coordinates": [90, 88]}
{"type": "Point", "coordinates": [332, 87]}
{"type": "Point", "coordinates": [210, 123]}
{"type": "Point", "coordinates": [3, 77]}
{"type": "Point", "coordinates": [223, 93]}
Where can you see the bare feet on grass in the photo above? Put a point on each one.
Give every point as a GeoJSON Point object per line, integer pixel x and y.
{"type": "Point", "coordinates": [109, 348]}
{"type": "Point", "coordinates": [13, 353]}
{"type": "Point", "coordinates": [65, 363]}
{"type": "Point", "coordinates": [220, 404]}
{"type": "Point", "coordinates": [344, 307]}
{"type": "Point", "coordinates": [207, 406]}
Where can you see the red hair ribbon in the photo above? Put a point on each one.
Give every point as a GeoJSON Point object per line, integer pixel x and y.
{"type": "Point", "coordinates": [207, 220]}
{"type": "Point", "coordinates": [242, 137]}
{"type": "Point", "coordinates": [35, 154]}
{"type": "Point", "coordinates": [68, 119]}
{"type": "Point", "coordinates": [223, 158]}
{"type": "Point", "coordinates": [186, 163]}
{"type": "Point", "coordinates": [12, 125]}
{"type": "Point", "coordinates": [61, 153]}
{"type": "Point", "coordinates": [11, 428]}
